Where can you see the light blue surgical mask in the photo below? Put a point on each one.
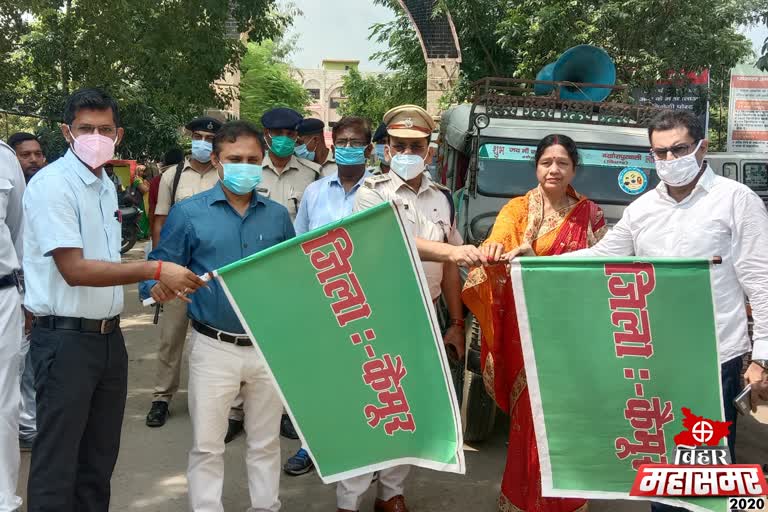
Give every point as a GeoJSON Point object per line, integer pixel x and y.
{"type": "Point", "coordinates": [201, 150]}
{"type": "Point", "coordinates": [407, 166]}
{"type": "Point", "coordinates": [241, 178]}
{"type": "Point", "coordinates": [346, 155]}
{"type": "Point", "coordinates": [303, 152]}
{"type": "Point", "coordinates": [380, 151]}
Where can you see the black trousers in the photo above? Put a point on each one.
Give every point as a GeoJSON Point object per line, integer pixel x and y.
{"type": "Point", "coordinates": [730, 376]}
{"type": "Point", "coordinates": [81, 382]}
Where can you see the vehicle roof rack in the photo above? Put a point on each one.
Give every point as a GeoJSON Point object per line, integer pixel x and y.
{"type": "Point", "coordinates": [511, 98]}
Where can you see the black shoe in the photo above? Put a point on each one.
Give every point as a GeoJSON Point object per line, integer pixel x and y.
{"type": "Point", "coordinates": [234, 429]}
{"type": "Point", "coordinates": [286, 428]}
{"type": "Point", "coordinates": [158, 414]}
{"type": "Point", "coordinates": [299, 464]}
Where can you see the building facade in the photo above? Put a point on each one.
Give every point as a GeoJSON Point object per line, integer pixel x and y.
{"type": "Point", "coordinates": [325, 87]}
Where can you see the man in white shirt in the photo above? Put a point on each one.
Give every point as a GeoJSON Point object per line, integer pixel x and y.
{"type": "Point", "coordinates": [11, 323]}
{"type": "Point", "coordinates": [695, 213]}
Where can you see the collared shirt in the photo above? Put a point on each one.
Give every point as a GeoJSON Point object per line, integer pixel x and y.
{"type": "Point", "coordinates": [329, 167]}
{"type": "Point", "coordinates": [721, 217]}
{"type": "Point", "coordinates": [205, 233]}
{"type": "Point", "coordinates": [287, 187]}
{"type": "Point", "coordinates": [325, 201]}
{"type": "Point", "coordinates": [427, 212]}
{"type": "Point", "coordinates": [12, 187]}
{"type": "Point", "coordinates": [191, 182]}
{"type": "Point", "coordinates": [66, 205]}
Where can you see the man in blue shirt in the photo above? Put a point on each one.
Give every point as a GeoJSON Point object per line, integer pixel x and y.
{"type": "Point", "coordinates": [74, 281]}
{"type": "Point", "coordinates": [330, 199]}
{"type": "Point", "coordinates": [206, 232]}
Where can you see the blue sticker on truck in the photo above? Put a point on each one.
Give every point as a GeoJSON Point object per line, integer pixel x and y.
{"type": "Point", "coordinates": [633, 180]}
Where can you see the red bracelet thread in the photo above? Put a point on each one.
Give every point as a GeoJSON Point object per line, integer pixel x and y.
{"type": "Point", "coordinates": [157, 271]}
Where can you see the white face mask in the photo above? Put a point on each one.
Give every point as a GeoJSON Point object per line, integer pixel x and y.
{"type": "Point", "coordinates": [407, 166]}
{"type": "Point", "coordinates": [681, 171]}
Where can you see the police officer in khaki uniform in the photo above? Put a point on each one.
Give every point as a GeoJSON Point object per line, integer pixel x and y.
{"type": "Point", "coordinates": [429, 214]}
{"type": "Point", "coordinates": [380, 138]}
{"type": "Point", "coordinates": [284, 175]}
{"type": "Point", "coordinates": [312, 147]}
{"type": "Point", "coordinates": [190, 177]}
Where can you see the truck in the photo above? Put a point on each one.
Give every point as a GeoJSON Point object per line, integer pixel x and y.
{"type": "Point", "coordinates": [750, 169]}
{"type": "Point", "coordinates": [486, 157]}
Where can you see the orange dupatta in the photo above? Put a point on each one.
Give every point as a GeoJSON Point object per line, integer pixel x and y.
{"type": "Point", "coordinates": [488, 294]}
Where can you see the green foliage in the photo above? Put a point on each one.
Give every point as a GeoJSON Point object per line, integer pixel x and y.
{"type": "Point", "coordinates": [266, 82]}
{"type": "Point", "coordinates": [158, 59]}
{"type": "Point", "coordinates": [371, 96]}
{"type": "Point", "coordinates": [646, 38]}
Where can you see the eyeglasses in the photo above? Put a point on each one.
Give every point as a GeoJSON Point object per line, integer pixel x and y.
{"type": "Point", "coordinates": [106, 130]}
{"type": "Point", "coordinates": [415, 148]}
{"type": "Point", "coordinates": [355, 143]}
{"type": "Point", "coordinates": [678, 151]}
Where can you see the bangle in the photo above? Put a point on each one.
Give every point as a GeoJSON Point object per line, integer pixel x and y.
{"type": "Point", "coordinates": [159, 268]}
{"type": "Point", "coordinates": [457, 323]}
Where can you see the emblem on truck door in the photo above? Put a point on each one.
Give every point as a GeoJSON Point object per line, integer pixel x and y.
{"type": "Point", "coordinates": [633, 180]}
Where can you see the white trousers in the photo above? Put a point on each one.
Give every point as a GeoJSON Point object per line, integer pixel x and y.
{"type": "Point", "coordinates": [218, 371]}
{"type": "Point", "coordinates": [11, 333]}
{"type": "Point", "coordinates": [350, 492]}
{"type": "Point", "coordinates": [28, 417]}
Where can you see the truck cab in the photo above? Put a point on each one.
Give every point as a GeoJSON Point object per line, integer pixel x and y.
{"type": "Point", "coordinates": [750, 169]}
{"type": "Point", "coordinates": [486, 156]}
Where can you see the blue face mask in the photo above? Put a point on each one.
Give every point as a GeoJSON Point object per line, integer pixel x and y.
{"type": "Point", "coordinates": [241, 178]}
{"type": "Point", "coordinates": [201, 150]}
{"type": "Point", "coordinates": [380, 151]}
{"type": "Point", "coordinates": [304, 152]}
{"type": "Point", "coordinates": [350, 156]}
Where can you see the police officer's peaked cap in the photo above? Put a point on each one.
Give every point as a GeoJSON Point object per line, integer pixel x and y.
{"type": "Point", "coordinates": [204, 124]}
{"type": "Point", "coordinates": [311, 125]}
{"type": "Point", "coordinates": [281, 119]}
{"type": "Point", "coordinates": [381, 133]}
{"type": "Point", "coordinates": [409, 121]}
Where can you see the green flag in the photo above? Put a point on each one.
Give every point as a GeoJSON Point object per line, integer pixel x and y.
{"type": "Point", "coordinates": [344, 319]}
{"type": "Point", "coordinates": [613, 350]}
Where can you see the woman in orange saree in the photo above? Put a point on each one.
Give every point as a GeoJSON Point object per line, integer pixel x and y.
{"type": "Point", "coordinates": [552, 219]}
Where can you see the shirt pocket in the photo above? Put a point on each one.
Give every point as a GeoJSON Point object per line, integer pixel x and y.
{"type": "Point", "coordinates": [409, 212]}
{"type": "Point", "coordinates": [442, 223]}
{"type": "Point", "coordinates": [184, 192]}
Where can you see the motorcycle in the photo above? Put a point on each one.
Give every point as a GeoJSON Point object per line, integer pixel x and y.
{"type": "Point", "coordinates": [130, 227]}
{"type": "Point", "coordinates": [130, 217]}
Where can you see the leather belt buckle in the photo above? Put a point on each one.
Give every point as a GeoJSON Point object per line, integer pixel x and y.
{"type": "Point", "coordinates": [108, 326]}
{"type": "Point", "coordinates": [18, 280]}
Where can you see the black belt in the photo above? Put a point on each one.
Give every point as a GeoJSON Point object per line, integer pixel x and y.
{"type": "Point", "coordinates": [69, 323]}
{"type": "Point", "coordinates": [205, 330]}
{"type": "Point", "coordinates": [13, 279]}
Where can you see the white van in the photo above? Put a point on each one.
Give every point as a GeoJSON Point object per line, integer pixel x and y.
{"type": "Point", "coordinates": [748, 168]}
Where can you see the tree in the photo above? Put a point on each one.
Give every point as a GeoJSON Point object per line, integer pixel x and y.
{"type": "Point", "coordinates": [646, 38]}
{"type": "Point", "coordinates": [372, 95]}
{"type": "Point", "coordinates": [266, 82]}
{"type": "Point", "coordinates": [158, 59]}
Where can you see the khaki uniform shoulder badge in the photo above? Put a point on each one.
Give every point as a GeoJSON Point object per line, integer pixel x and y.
{"type": "Point", "coordinates": [377, 179]}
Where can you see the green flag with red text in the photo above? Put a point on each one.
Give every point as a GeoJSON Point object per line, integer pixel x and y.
{"type": "Point", "coordinates": [614, 349]}
{"type": "Point", "coordinates": [345, 321]}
